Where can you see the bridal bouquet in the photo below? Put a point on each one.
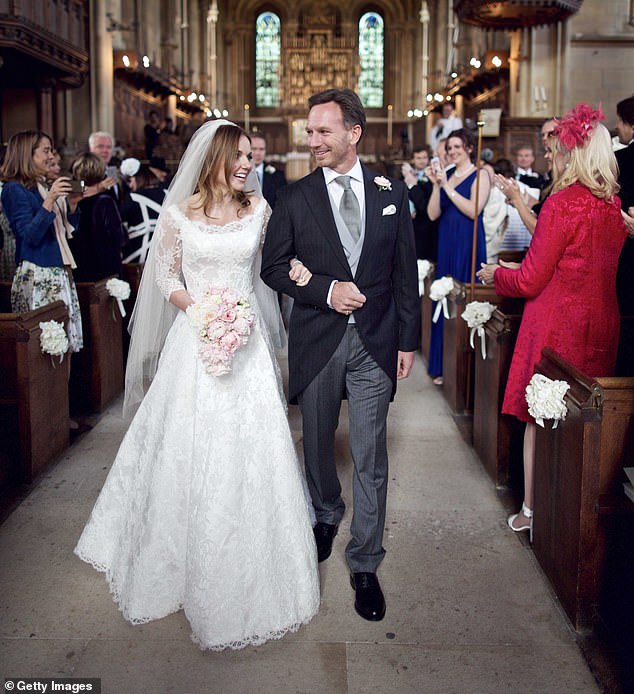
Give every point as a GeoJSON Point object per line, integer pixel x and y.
{"type": "Point", "coordinates": [477, 313]}
{"type": "Point", "coordinates": [53, 339]}
{"type": "Point", "coordinates": [438, 291]}
{"type": "Point", "coordinates": [545, 399]}
{"type": "Point", "coordinates": [223, 321]}
{"type": "Point", "coordinates": [119, 290]}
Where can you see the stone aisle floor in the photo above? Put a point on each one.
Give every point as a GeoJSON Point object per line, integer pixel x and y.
{"type": "Point", "coordinates": [468, 609]}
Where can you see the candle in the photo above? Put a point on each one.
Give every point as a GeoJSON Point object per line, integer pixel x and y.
{"type": "Point", "coordinates": [389, 124]}
{"type": "Point", "coordinates": [246, 117]}
{"type": "Point", "coordinates": [542, 91]}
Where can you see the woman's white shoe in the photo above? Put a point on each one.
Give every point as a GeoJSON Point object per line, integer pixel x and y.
{"type": "Point", "coordinates": [522, 521]}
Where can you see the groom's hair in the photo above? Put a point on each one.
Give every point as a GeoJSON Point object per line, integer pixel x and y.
{"type": "Point", "coordinates": [349, 103]}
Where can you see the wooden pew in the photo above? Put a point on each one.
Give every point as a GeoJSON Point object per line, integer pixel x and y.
{"type": "Point", "coordinates": [33, 396]}
{"type": "Point", "coordinates": [426, 313]}
{"type": "Point", "coordinates": [458, 358]}
{"type": "Point", "coordinates": [497, 437]}
{"type": "Point", "coordinates": [96, 376]}
{"type": "Point", "coordinates": [578, 484]}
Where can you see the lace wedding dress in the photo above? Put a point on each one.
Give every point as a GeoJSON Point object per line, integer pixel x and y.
{"type": "Point", "coordinates": [205, 507]}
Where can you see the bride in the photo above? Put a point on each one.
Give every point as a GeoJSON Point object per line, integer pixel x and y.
{"type": "Point", "coordinates": [205, 507]}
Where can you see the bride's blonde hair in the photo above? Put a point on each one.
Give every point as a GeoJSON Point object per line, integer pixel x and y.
{"type": "Point", "coordinates": [220, 158]}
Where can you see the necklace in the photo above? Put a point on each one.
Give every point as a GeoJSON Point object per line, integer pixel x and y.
{"type": "Point", "coordinates": [464, 173]}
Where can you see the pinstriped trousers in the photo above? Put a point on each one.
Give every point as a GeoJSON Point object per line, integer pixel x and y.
{"type": "Point", "coordinates": [351, 371]}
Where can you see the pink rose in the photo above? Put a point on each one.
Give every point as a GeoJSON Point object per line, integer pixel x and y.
{"type": "Point", "coordinates": [242, 326]}
{"type": "Point", "coordinates": [228, 316]}
{"type": "Point", "coordinates": [231, 341]}
{"type": "Point", "coordinates": [216, 330]}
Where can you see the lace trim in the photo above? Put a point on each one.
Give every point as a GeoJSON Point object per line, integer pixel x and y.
{"type": "Point", "coordinates": [254, 640]}
{"type": "Point", "coordinates": [228, 228]}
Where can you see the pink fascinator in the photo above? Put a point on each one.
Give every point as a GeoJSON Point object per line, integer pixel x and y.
{"type": "Point", "coordinates": [575, 128]}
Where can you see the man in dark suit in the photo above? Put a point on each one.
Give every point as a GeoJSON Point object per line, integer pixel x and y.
{"type": "Point", "coordinates": [354, 326]}
{"type": "Point", "coordinates": [419, 191]}
{"type": "Point", "coordinates": [271, 179]}
{"type": "Point", "coordinates": [625, 273]}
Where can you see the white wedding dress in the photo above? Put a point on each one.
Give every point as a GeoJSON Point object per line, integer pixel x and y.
{"type": "Point", "coordinates": [205, 507]}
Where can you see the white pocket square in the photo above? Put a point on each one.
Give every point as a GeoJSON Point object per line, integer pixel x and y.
{"type": "Point", "coordinates": [390, 209]}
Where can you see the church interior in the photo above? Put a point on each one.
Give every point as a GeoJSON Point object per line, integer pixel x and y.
{"type": "Point", "coordinates": [471, 605]}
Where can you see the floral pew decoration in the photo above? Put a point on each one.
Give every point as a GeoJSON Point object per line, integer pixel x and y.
{"type": "Point", "coordinates": [120, 291]}
{"type": "Point", "coordinates": [424, 268]}
{"type": "Point", "coordinates": [53, 340]}
{"type": "Point", "coordinates": [477, 314]}
{"type": "Point", "coordinates": [545, 399]}
{"type": "Point", "coordinates": [439, 291]}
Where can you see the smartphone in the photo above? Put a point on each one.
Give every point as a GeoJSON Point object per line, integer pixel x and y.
{"type": "Point", "coordinates": [112, 172]}
{"type": "Point", "coordinates": [435, 164]}
{"type": "Point", "coordinates": [76, 186]}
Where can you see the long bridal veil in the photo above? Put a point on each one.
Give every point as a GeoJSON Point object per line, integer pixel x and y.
{"type": "Point", "coordinates": [153, 316]}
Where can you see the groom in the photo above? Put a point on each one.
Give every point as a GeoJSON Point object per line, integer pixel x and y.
{"type": "Point", "coordinates": [354, 326]}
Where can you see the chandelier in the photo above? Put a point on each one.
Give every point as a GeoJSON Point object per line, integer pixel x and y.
{"type": "Point", "coordinates": [514, 14]}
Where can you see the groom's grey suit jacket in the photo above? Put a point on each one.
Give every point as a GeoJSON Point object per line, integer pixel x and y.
{"type": "Point", "coordinates": [303, 226]}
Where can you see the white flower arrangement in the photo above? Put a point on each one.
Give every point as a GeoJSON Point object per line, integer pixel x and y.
{"type": "Point", "coordinates": [130, 167]}
{"type": "Point", "coordinates": [53, 339]}
{"type": "Point", "coordinates": [438, 291]}
{"type": "Point", "coordinates": [545, 399]}
{"type": "Point", "coordinates": [476, 314]}
{"type": "Point", "coordinates": [119, 290]}
{"type": "Point", "coordinates": [424, 267]}
{"type": "Point", "coordinates": [382, 183]}
{"type": "Point", "coordinates": [269, 169]}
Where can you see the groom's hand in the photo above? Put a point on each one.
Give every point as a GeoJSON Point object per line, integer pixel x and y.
{"type": "Point", "coordinates": [346, 297]}
{"type": "Point", "coordinates": [405, 363]}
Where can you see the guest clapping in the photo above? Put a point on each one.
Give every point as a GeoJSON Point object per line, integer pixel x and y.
{"type": "Point", "coordinates": [568, 275]}
{"type": "Point", "coordinates": [453, 199]}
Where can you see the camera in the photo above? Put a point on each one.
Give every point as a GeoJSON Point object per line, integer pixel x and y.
{"type": "Point", "coordinates": [76, 186]}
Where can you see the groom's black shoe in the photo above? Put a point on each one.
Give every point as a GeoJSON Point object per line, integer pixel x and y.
{"type": "Point", "coordinates": [369, 601]}
{"type": "Point", "coordinates": [324, 535]}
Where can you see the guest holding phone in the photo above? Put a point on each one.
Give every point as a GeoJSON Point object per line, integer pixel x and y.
{"type": "Point", "coordinates": [42, 229]}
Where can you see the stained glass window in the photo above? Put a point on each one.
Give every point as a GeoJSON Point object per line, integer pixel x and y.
{"type": "Point", "coordinates": [371, 44]}
{"type": "Point", "coordinates": [268, 45]}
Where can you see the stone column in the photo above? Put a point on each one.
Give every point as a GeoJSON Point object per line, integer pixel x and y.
{"type": "Point", "coordinates": [101, 70]}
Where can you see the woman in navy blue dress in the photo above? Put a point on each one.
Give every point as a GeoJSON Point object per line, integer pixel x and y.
{"type": "Point", "coordinates": [453, 200]}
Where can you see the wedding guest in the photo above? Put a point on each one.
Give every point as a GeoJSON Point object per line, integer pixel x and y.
{"type": "Point", "coordinates": [160, 170]}
{"type": "Point", "coordinates": [419, 189]}
{"type": "Point", "coordinates": [271, 179]}
{"type": "Point", "coordinates": [447, 123]}
{"type": "Point", "coordinates": [7, 242]}
{"type": "Point", "coordinates": [453, 201]}
{"type": "Point", "coordinates": [524, 160]}
{"type": "Point", "coordinates": [100, 235]}
{"type": "Point", "coordinates": [151, 131]}
{"type": "Point", "coordinates": [505, 226]}
{"type": "Point", "coordinates": [42, 220]}
{"type": "Point", "coordinates": [205, 508]}
{"type": "Point", "coordinates": [574, 252]}
{"type": "Point", "coordinates": [101, 143]}
{"type": "Point", "coordinates": [145, 183]}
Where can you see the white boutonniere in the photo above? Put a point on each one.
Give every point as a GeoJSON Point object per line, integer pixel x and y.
{"type": "Point", "coordinates": [269, 169]}
{"type": "Point", "coordinates": [382, 183]}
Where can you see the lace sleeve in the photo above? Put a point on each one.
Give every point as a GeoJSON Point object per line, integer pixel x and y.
{"type": "Point", "coordinates": [265, 223]}
{"type": "Point", "coordinates": [169, 255]}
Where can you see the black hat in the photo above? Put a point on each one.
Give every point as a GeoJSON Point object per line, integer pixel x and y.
{"type": "Point", "coordinates": [158, 163]}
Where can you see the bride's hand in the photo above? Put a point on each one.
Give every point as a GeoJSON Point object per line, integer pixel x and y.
{"type": "Point", "coordinates": [299, 273]}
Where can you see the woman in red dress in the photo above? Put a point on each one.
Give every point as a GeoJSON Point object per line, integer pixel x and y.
{"type": "Point", "coordinates": [568, 275]}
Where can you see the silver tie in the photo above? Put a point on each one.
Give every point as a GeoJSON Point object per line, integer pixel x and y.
{"type": "Point", "coordinates": [349, 207]}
